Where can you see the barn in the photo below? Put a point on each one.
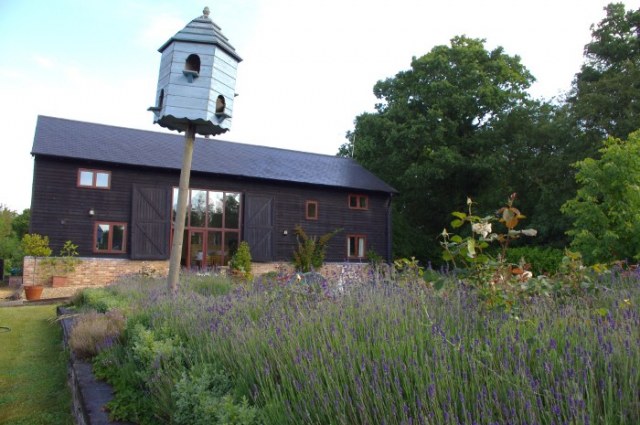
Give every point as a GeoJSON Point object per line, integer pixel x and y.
{"type": "Point", "coordinates": [113, 192]}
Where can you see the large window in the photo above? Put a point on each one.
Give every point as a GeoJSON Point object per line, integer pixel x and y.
{"type": "Point", "coordinates": [212, 227]}
{"type": "Point", "coordinates": [110, 238]}
{"type": "Point", "coordinates": [356, 245]}
{"type": "Point", "coordinates": [95, 179]}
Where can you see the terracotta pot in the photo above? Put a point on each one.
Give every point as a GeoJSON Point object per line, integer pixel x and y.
{"type": "Point", "coordinates": [33, 292]}
{"type": "Point", "coordinates": [59, 281]}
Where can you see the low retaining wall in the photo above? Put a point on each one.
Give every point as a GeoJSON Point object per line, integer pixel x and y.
{"type": "Point", "coordinates": [89, 396]}
{"type": "Point", "coordinates": [95, 272]}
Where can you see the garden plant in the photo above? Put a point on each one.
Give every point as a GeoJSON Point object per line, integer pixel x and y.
{"type": "Point", "coordinates": [396, 351]}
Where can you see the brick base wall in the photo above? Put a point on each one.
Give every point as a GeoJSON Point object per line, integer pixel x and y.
{"type": "Point", "coordinates": [91, 272]}
{"type": "Point", "coordinates": [331, 271]}
{"type": "Point", "coordinates": [94, 271]}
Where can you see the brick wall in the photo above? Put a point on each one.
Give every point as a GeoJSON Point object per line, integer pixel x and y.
{"type": "Point", "coordinates": [331, 271]}
{"type": "Point", "coordinates": [94, 271]}
{"type": "Point", "coordinates": [103, 271]}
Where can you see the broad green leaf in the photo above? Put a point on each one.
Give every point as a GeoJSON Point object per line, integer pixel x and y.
{"type": "Point", "coordinates": [459, 214]}
{"type": "Point", "coordinates": [456, 239]}
{"type": "Point", "coordinates": [456, 223]}
{"type": "Point", "coordinates": [471, 248]}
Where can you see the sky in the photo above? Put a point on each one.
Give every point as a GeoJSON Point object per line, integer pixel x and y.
{"type": "Point", "coordinates": [308, 68]}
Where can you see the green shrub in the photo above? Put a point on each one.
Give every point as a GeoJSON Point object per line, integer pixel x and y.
{"type": "Point", "coordinates": [311, 250]}
{"type": "Point", "coordinates": [65, 262]}
{"type": "Point", "coordinates": [543, 260]}
{"type": "Point", "coordinates": [241, 260]}
{"type": "Point", "coordinates": [101, 300]}
{"type": "Point", "coordinates": [92, 332]}
{"type": "Point", "coordinates": [203, 397]}
{"type": "Point", "coordinates": [208, 285]}
{"type": "Point", "coordinates": [36, 246]}
{"type": "Point", "coordinates": [131, 402]}
{"type": "Point", "coordinates": [141, 370]}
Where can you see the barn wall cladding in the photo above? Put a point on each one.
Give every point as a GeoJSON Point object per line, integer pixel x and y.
{"type": "Point", "coordinates": [96, 184]}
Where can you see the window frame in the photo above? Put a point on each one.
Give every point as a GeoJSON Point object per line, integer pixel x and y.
{"type": "Point", "coordinates": [110, 249]}
{"type": "Point", "coordinates": [227, 233]}
{"type": "Point", "coordinates": [357, 237]}
{"type": "Point", "coordinates": [94, 179]}
{"type": "Point", "coordinates": [359, 198]}
{"type": "Point", "coordinates": [307, 216]}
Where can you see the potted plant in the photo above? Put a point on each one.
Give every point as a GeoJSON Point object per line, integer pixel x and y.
{"type": "Point", "coordinates": [240, 263]}
{"type": "Point", "coordinates": [36, 246]}
{"type": "Point", "coordinates": [63, 265]}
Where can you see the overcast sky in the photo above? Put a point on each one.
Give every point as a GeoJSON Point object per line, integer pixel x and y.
{"type": "Point", "coordinates": [308, 69]}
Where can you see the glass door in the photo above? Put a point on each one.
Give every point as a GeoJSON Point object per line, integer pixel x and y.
{"type": "Point", "coordinates": [196, 250]}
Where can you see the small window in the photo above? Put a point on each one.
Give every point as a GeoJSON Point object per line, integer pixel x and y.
{"type": "Point", "coordinates": [356, 246]}
{"type": "Point", "coordinates": [95, 179]}
{"type": "Point", "coordinates": [311, 210]}
{"type": "Point", "coordinates": [358, 202]}
{"type": "Point", "coordinates": [110, 238]}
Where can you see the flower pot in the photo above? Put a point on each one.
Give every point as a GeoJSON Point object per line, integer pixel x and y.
{"type": "Point", "coordinates": [59, 281]}
{"type": "Point", "coordinates": [33, 292]}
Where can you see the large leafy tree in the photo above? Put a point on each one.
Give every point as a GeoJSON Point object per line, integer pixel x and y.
{"type": "Point", "coordinates": [12, 227]}
{"type": "Point", "coordinates": [535, 145]}
{"type": "Point", "coordinates": [606, 92]}
{"type": "Point", "coordinates": [606, 209]}
{"type": "Point", "coordinates": [426, 137]}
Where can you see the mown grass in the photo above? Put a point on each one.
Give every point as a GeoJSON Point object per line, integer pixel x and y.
{"type": "Point", "coordinates": [33, 388]}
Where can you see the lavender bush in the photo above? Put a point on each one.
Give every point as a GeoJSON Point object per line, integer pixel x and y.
{"type": "Point", "coordinates": [396, 354]}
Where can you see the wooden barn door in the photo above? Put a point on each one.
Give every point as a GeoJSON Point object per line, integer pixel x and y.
{"type": "Point", "coordinates": [258, 226]}
{"type": "Point", "coordinates": [150, 223]}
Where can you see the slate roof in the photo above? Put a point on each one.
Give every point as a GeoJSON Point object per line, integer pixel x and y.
{"type": "Point", "coordinates": [65, 138]}
{"type": "Point", "coordinates": [203, 30]}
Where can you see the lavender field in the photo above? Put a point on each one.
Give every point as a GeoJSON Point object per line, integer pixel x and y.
{"type": "Point", "coordinates": [281, 352]}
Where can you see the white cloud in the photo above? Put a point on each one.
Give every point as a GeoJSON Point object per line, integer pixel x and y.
{"type": "Point", "coordinates": [43, 61]}
{"type": "Point", "coordinates": [159, 29]}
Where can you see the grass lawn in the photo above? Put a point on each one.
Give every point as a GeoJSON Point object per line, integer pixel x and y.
{"type": "Point", "coordinates": [33, 387]}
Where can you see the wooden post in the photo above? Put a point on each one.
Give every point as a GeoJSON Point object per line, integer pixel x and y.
{"type": "Point", "coordinates": [181, 214]}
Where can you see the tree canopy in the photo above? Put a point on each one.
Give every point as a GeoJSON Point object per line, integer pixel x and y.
{"type": "Point", "coordinates": [13, 227]}
{"type": "Point", "coordinates": [606, 92]}
{"type": "Point", "coordinates": [443, 130]}
{"type": "Point", "coordinates": [606, 208]}
{"type": "Point", "coordinates": [459, 123]}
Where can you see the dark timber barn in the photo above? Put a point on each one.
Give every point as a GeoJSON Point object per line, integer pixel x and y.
{"type": "Point", "coordinates": [113, 192]}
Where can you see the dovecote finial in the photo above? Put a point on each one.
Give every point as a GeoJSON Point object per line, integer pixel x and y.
{"type": "Point", "coordinates": [205, 12]}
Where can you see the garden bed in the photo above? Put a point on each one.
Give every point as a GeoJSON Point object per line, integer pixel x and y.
{"type": "Point", "coordinates": [285, 351]}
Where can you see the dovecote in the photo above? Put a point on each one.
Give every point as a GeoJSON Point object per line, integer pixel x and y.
{"type": "Point", "coordinates": [197, 78]}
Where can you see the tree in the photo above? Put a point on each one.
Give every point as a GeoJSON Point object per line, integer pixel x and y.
{"type": "Point", "coordinates": [9, 242]}
{"type": "Point", "coordinates": [606, 209]}
{"type": "Point", "coordinates": [426, 136]}
{"type": "Point", "coordinates": [606, 92]}
{"type": "Point", "coordinates": [535, 145]}
{"type": "Point", "coordinates": [20, 224]}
